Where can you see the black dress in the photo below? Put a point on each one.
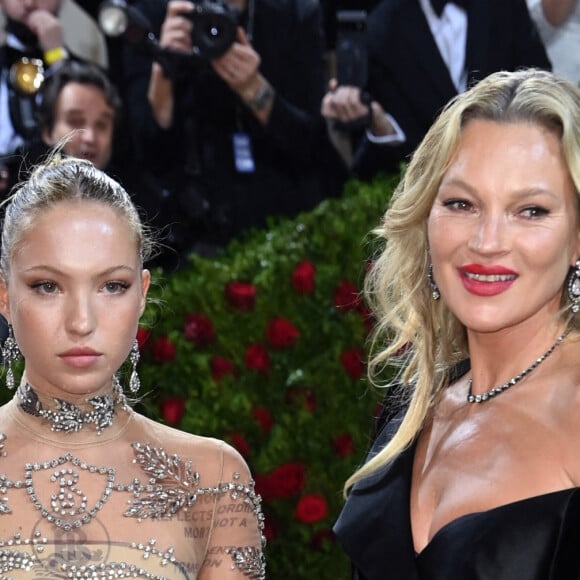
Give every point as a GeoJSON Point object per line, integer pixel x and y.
{"type": "Point", "coordinates": [532, 539]}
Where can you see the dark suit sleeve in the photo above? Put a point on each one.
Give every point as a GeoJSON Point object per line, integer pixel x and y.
{"type": "Point", "coordinates": [296, 126]}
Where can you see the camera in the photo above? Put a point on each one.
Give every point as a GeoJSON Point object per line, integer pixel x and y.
{"type": "Point", "coordinates": [352, 61]}
{"type": "Point", "coordinates": [213, 31]}
{"type": "Point", "coordinates": [351, 48]}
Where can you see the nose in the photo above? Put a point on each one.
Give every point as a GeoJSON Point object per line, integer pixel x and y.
{"type": "Point", "coordinates": [88, 134]}
{"type": "Point", "coordinates": [80, 315]}
{"type": "Point", "coordinates": [490, 235]}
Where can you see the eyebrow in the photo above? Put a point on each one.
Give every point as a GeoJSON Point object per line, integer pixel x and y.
{"type": "Point", "coordinates": [106, 114]}
{"type": "Point", "coordinates": [56, 271]}
{"type": "Point", "coordinates": [528, 192]}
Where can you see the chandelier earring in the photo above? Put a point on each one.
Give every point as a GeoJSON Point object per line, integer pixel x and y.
{"type": "Point", "coordinates": [134, 382]}
{"type": "Point", "coordinates": [435, 294]}
{"type": "Point", "coordinates": [10, 354]}
{"type": "Point", "coordinates": [574, 286]}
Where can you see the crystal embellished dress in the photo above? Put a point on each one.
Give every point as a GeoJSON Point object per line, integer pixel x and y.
{"type": "Point", "coordinates": [139, 500]}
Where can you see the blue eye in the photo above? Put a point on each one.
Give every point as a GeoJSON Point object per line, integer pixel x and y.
{"type": "Point", "coordinates": [116, 287]}
{"type": "Point", "coordinates": [45, 287]}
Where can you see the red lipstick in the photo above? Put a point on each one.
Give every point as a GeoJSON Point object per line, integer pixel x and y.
{"type": "Point", "coordinates": [486, 280]}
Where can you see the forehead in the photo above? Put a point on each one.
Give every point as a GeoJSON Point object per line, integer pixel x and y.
{"type": "Point", "coordinates": [79, 231]}
{"type": "Point", "coordinates": [83, 97]}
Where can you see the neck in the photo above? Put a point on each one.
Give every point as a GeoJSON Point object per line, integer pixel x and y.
{"type": "Point", "coordinates": [80, 421]}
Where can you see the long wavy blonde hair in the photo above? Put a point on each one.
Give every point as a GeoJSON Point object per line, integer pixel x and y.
{"type": "Point", "coordinates": [397, 285]}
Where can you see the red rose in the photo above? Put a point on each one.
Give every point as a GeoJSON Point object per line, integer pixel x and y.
{"type": "Point", "coordinates": [281, 333]}
{"type": "Point", "coordinates": [220, 367]}
{"type": "Point", "coordinates": [143, 335]}
{"type": "Point", "coordinates": [265, 487]}
{"type": "Point", "coordinates": [264, 418]}
{"type": "Point", "coordinates": [346, 296]}
{"type": "Point", "coordinates": [173, 409]}
{"type": "Point", "coordinates": [288, 479]}
{"type": "Point", "coordinates": [270, 530]}
{"type": "Point", "coordinates": [302, 395]}
{"type": "Point", "coordinates": [343, 444]}
{"type": "Point", "coordinates": [257, 358]}
{"type": "Point", "coordinates": [303, 277]}
{"type": "Point", "coordinates": [199, 329]}
{"type": "Point", "coordinates": [352, 361]}
{"type": "Point", "coordinates": [163, 350]}
{"type": "Point", "coordinates": [285, 481]}
{"type": "Point", "coordinates": [311, 508]}
{"type": "Point", "coordinates": [241, 295]}
{"type": "Point", "coordinates": [367, 316]}
{"type": "Point", "coordinates": [240, 443]}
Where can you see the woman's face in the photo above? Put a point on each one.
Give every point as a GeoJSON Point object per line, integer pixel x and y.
{"type": "Point", "coordinates": [503, 230]}
{"type": "Point", "coordinates": [75, 295]}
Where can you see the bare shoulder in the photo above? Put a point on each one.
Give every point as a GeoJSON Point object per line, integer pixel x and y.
{"type": "Point", "coordinates": [216, 456]}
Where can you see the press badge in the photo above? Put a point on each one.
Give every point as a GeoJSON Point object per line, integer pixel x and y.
{"type": "Point", "coordinates": [243, 153]}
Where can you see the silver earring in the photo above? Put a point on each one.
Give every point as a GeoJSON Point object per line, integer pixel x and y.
{"type": "Point", "coordinates": [574, 286]}
{"type": "Point", "coordinates": [435, 294]}
{"type": "Point", "coordinates": [10, 354]}
{"type": "Point", "coordinates": [134, 382]}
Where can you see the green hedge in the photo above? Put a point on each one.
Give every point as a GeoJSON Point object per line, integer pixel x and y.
{"type": "Point", "coordinates": [265, 348]}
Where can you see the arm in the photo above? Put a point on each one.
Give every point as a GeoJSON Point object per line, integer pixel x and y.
{"type": "Point", "coordinates": [557, 12]}
{"type": "Point", "coordinates": [239, 69]}
{"type": "Point", "coordinates": [175, 35]}
{"type": "Point", "coordinates": [235, 544]}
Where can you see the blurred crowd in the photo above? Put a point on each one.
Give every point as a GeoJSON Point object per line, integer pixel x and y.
{"type": "Point", "coordinates": [218, 115]}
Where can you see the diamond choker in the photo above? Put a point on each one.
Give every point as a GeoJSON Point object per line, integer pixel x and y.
{"type": "Point", "coordinates": [68, 417]}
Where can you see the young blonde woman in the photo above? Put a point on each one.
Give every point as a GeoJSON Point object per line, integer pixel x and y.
{"type": "Point", "coordinates": [90, 488]}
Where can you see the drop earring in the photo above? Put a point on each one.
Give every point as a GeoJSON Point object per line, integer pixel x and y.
{"type": "Point", "coordinates": [435, 294]}
{"type": "Point", "coordinates": [134, 382]}
{"type": "Point", "coordinates": [574, 286]}
{"type": "Point", "coordinates": [10, 354]}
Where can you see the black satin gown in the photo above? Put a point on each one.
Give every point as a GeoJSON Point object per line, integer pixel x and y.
{"type": "Point", "coordinates": [532, 539]}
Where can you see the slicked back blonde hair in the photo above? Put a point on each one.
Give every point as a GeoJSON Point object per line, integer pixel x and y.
{"type": "Point", "coordinates": [65, 179]}
{"type": "Point", "coordinates": [397, 286]}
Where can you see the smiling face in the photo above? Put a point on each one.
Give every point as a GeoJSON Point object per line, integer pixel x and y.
{"type": "Point", "coordinates": [75, 294]}
{"type": "Point", "coordinates": [83, 111]}
{"type": "Point", "coordinates": [503, 230]}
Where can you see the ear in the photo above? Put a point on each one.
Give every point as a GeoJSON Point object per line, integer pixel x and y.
{"type": "Point", "coordinates": [4, 310]}
{"type": "Point", "coordinates": [145, 282]}
{"type": "Point", "coordinates": [47, 137]}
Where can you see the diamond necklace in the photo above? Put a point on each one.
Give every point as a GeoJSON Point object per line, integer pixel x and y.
{"type": "Point", "coordinates": [471, 398]}
{"type": "Point", "coordinates": [68, 417]}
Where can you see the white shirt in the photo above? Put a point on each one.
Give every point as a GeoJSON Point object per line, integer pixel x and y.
{"type": "Point", "coordinates": [450, 34]}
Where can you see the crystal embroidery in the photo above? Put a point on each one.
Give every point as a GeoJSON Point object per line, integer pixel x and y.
{"type": "Point", "coordinates": [172, 485]}
{"type": "Point", "coordinates": [250, 561]}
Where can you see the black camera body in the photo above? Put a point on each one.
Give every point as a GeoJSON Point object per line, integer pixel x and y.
{"type": "Point", "coordinates": [351, 48]}
{"type": "Point", "coordinates": [214, 28]}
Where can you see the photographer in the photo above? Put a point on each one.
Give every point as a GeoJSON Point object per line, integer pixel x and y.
{"type": "Point", "coordinates": [421, 54]}
{"type": "Point", "coordinates": [236, 138]}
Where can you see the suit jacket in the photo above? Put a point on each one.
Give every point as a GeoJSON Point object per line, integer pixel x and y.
{"type": "Point", "coordinates": [409, 78]}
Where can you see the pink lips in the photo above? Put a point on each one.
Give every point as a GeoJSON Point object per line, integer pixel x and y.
{"type": "Point", "coordinates": [80, 357]}
{"type": "Point", "coordinates": [486, 280]}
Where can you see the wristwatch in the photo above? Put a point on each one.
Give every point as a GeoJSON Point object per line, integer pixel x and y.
{"type": "Point", "coordinates": [262, 97]}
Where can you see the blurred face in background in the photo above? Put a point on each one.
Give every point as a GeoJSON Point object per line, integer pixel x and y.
{"type": "Point", "coordinates": [84, 115]}
{"type": "Point", "coordinates": [20, 10]}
